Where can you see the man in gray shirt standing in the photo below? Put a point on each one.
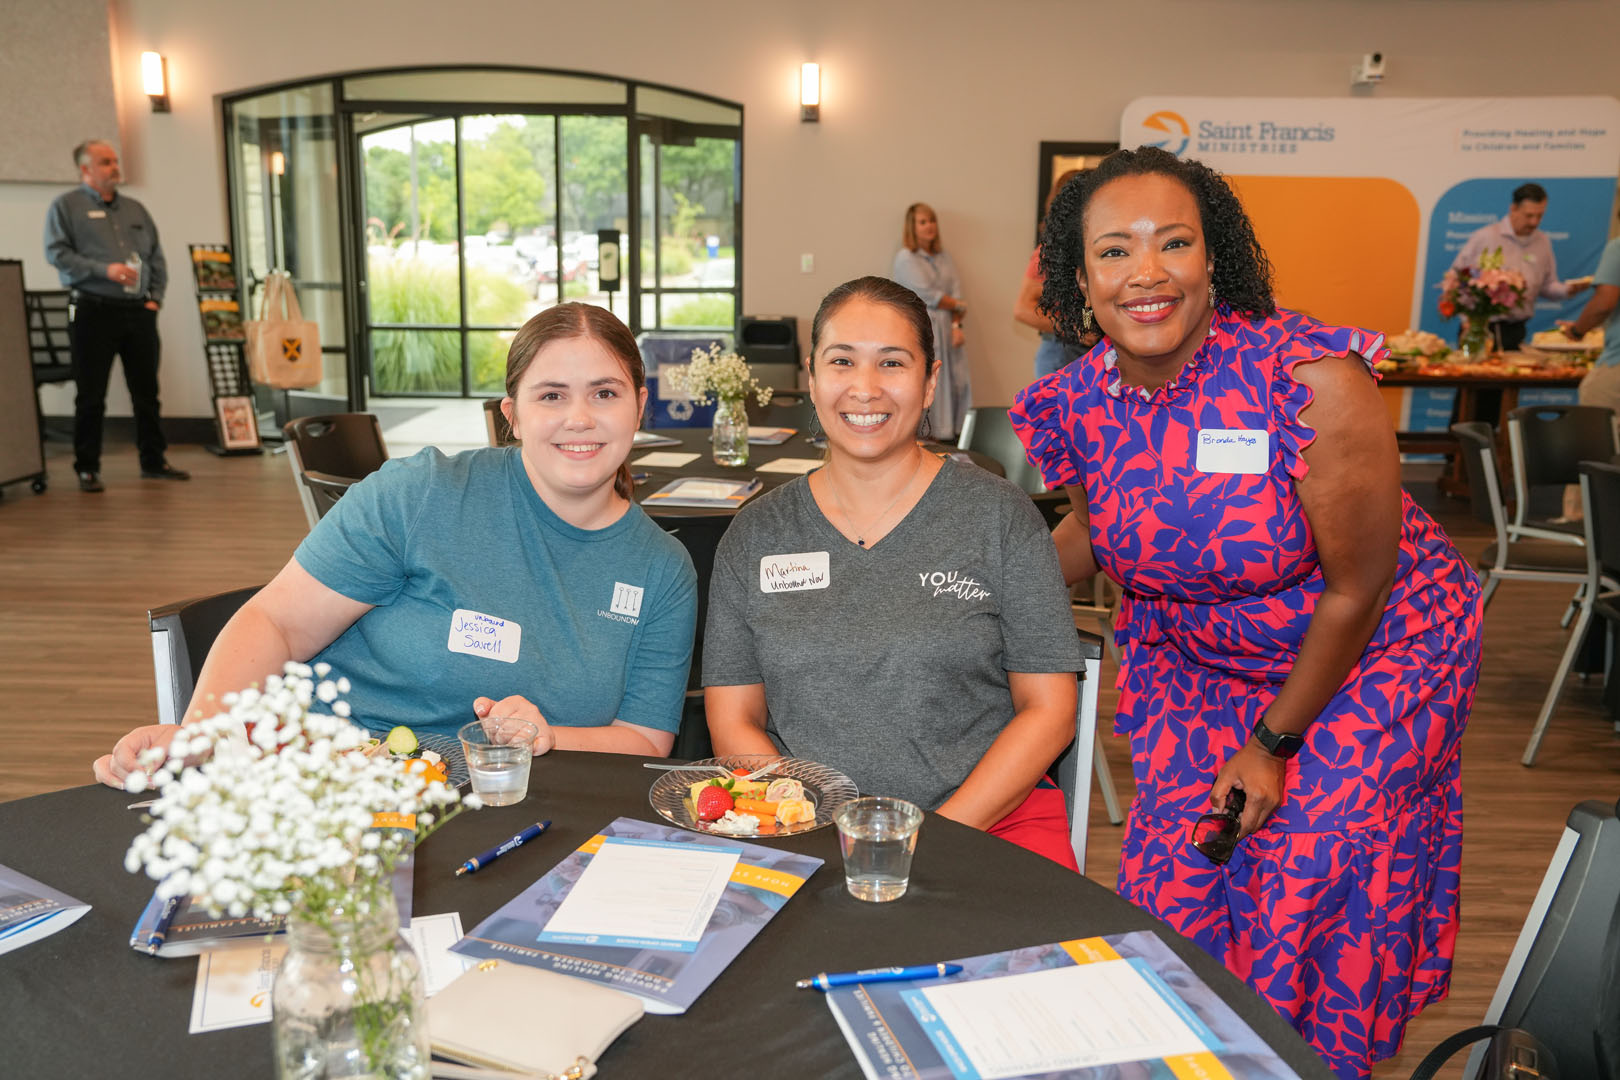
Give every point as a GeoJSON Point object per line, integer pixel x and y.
{"type": "Point", "coordinates": [105, 248]}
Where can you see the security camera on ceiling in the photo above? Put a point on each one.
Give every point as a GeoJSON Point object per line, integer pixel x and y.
{"type": "Point", "coordinates": [1370, 69]}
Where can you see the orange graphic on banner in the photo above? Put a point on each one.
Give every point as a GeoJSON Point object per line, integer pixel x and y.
{"type": "Point", "coordinates": [1345, 249]}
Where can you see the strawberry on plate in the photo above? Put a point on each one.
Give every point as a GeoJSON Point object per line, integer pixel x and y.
{"type": "Point", "coordinates": [712, 803]}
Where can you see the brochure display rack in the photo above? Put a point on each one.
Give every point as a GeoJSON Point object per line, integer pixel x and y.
{"type": "Point", "coordinates": [236, 419]}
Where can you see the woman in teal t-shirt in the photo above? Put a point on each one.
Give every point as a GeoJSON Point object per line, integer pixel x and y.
{"type": "Point", "coordinates": [517, 582]}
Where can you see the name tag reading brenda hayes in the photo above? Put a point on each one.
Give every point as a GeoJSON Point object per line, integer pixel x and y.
{"type": "Point", "coordinates": [477, 634]}
{"type": "Point", "coordinates": [794, 573]}
{"type": "Point", "coordinates": [1232, 450]}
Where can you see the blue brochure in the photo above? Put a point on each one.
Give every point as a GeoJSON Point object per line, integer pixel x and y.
{"type": "Point", "coordinates": [30, 910]}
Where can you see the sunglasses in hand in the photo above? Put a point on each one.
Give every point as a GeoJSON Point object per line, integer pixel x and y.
{"type": "Point", "coordinates": [1216, 835]}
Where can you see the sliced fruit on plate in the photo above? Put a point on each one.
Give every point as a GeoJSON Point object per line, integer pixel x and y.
{"type": "Point", "coordinates": [713, 801]}
{"type": "Point", "coordinates": [401, 740]}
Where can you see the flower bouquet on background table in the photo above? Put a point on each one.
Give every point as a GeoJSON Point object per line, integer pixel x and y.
{"type": "Point", "coordinates": [272, 809]}
{"type": "Point", "coordinates": [1479, 294]}
{"type": "Point", "coordinates": [720, 376]}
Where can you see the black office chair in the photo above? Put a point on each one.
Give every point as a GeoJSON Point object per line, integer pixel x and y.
{"type": "Point", "coordinates": [989, 431]}
{"type": "Point", "coordinates": [1600, 500]}
{"type": "Point", "coordinates": [330, 453]}
{"type": "Point", "coordinates": [49, 349]}
{"type": "Point", "coordinates": [1546, 444]}
{"type": "Point", "coordinates": [1562, 975]}
{"type": "Point", "coordinates": [182, 634]}
{"type": "Point", "coordinates": [1507, 559]}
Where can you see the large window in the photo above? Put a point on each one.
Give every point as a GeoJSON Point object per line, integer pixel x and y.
{"type": "Point", "coordinates": [469, 199]}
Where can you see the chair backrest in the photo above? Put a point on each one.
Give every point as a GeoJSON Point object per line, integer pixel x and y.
{"type": "Point", "coordinates": [48, 344]}
{"type": "Point", "coordinates": [788, 408]}
{"type": "Point", "coordinates": [1600, 494]}
{"type": "Point", "coordinates": [989, 431]}
{"type": "Point", "coordinates": [341, 444]}
{"type": "Point", "coordinates": [1556, 974]}
{"type": "Point", "coordinates": [1550, 441]}
{"type": "Point", "coordinates": [1478, 448]}
{"type": "Point", "coordinates": [1073, 768]}
{"type": "Point", "coordinates": [495, 425]}
{"type": "Point", "coordinates": [182, 634]}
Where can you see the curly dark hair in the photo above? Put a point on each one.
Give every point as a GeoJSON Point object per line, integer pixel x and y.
{"type": "Point", "coordinates": [1242, 275]}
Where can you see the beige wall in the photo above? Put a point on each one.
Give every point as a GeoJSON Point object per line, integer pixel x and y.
{"type": "Point", "coordinates": [943, 101]}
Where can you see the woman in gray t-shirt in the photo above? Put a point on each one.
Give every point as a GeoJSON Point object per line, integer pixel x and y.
{"type": "Point", "coordinates": [894, 615]}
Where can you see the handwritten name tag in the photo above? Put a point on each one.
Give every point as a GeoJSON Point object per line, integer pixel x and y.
{"type": "Point", "coordinates": [1232, 450]}
{"type": "Point", "coordinates": [794, 573]}
{"type": "Point", "coordinates": [477, 634]}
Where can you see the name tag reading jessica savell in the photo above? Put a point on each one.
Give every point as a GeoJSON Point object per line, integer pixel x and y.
{"type": "Point", "coordinates": [477, 634]}
{"type": "Point", "coordinates": [1232, 450]}
{"type": "Point", "coordinates": [794, 573]}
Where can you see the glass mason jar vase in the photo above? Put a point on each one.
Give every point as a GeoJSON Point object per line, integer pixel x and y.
{"type": "Point", "coordinates": [730, 432]}
{"type": "Point", "coordinates": [1474, 341]}
{"type": "Point", "coordinates": [348, 1000]}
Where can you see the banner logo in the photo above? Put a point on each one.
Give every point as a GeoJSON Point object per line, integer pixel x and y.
{"type": "Point", "coordinates": [1168, 131]}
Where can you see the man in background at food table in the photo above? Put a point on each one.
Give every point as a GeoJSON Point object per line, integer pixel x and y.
{"type": "Point", "coordinates": [1602, 384]}
{"type": "Point", "coordinates": [105, 248]}
{"type": "Point", "coordinates": [1528, 250]}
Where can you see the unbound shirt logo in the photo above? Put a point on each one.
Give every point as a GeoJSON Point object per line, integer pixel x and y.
{"type": "Point", "coordinates": [955, 583]}
{"type": "Point", "coordinates": [625, 605]}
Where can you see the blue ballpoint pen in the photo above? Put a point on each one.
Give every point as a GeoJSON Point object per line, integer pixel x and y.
{"type": "Point", "coordinates": [480, 861]}
{"type": "Point", "coordinates": [160, 930]}
{"type": "Point", "coordinates": [895, 974]}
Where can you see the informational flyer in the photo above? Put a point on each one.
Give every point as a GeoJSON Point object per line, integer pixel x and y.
{"type": "Point", "coordinates": [644, 894]}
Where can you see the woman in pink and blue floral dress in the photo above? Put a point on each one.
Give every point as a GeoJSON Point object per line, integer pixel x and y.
{"type": "Point", "coordinates": [1292, 624]}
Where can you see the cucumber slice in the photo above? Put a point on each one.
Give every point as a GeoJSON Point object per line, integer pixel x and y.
{"type": "Point", "coordinates": [402, 740]}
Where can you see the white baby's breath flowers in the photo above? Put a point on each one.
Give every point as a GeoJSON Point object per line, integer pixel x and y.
{"type": "Point", "coordinates": [269, 807]}
{"type": "Point", "coordinates": [715, 373]}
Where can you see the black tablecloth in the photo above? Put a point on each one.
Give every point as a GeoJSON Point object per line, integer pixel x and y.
{"type": "Point", "coordinates": [81, 1003]}
{"type": "Point", "coordinates": [695, 440]}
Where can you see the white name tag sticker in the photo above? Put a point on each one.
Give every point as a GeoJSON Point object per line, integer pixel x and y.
{"type": "Point", "coordinates": [96, 214]}
{"type": "Point", "coordinates": [1233, 450]}
{"type": "Point", "coordinates": [800, 572]}
{"type": "Point", "coordinates": [477, 634]}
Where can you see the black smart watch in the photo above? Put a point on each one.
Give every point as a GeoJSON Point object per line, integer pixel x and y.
{"type": "Point", "coordinates": [1281, 746]}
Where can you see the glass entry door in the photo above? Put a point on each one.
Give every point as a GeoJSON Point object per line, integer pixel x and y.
{"type": "Point", "coordinates": [285, 202]}
{"type": "Point", "coordinates": [472, 224]}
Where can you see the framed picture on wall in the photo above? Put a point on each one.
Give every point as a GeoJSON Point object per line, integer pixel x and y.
{"type": "Point", "coordinates": [238, 423]}
{"type": "Point", "coordinates": [1058, 158]}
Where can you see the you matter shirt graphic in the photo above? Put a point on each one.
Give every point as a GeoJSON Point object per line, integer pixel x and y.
{"type": "Point", "coordinates": [958, 583]}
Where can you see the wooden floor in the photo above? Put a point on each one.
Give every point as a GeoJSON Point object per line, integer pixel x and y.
{"type": "Point", "coordinates": [78, 572]}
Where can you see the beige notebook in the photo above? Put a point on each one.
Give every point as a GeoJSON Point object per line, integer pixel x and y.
{"type": "Point", "coordinates": [510, 1016]}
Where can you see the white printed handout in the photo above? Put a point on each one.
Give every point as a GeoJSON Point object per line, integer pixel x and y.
{"type": "Point", "coordinates": [1233, 450]}
{"type": "Point", "coordinates": [795, 465]}
{"type": "Point", "coordinates": [794, 573]}
{"type": "Point", "coordinates": [1059, 1018]}
{"type": "Point", "coordinates": [234, 982]}
{"type": "Point", "coordinates": [477, 634]}
{"type": "Point", "coordinates": [665, 459]}
{"type": "Point", "coordinates": [647, 894]}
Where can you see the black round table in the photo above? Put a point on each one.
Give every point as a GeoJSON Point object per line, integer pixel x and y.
{"type": "Point", "coordinates": [695, 440]}
{"type": "Point", "coordinates": [82, 1003]}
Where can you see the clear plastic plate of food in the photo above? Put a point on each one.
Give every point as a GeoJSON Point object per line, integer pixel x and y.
{"type": "Point", "coordinates": [451, 757]}
{"type": "Point", "coordinates": [791, 797]}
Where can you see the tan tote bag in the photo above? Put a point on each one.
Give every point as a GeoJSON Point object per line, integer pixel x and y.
{"type": "Point", "coordinates": [283, 347]}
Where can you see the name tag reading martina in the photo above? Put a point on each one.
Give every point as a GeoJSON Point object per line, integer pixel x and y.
{"type": "Point", "coordinates": [1232, 450]}
{"type": "Point", "coordinates": [794, 573]}
{"type": "Point", "coordinates": [477, 634]}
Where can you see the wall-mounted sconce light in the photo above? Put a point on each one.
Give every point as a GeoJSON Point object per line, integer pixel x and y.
{"type": "Point", "coordinates": [810, 93]}
{"type": "Point", "coordinates": [278, 163]}
{"type": "Point", "coordinates": [155, 80]}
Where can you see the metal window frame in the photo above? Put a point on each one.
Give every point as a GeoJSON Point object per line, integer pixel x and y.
{"type": "Point", "coordinates": [351, 192]}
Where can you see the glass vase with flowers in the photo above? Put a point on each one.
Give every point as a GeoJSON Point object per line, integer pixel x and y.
{"type": "Point", "coordinates": [1479, 294]}
{"type": "Point", "coordinates": [719, 375]}
{"type": "Point", "coordinates": [281, 808]}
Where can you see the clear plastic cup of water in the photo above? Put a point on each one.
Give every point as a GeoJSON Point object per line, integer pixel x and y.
{"type": "Point", "coordinates": [498, 751]}
{"type": "Point", "coordinates": [878, 836]}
